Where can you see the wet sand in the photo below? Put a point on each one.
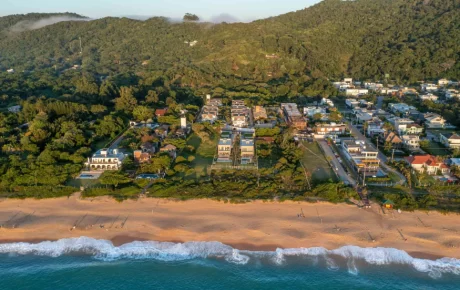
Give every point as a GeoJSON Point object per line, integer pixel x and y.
{"type": "Point", "coordinates": [252, 226]}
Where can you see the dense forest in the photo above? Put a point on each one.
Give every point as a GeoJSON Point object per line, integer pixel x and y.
{"type": "Point", "coordinates": [410, 40]}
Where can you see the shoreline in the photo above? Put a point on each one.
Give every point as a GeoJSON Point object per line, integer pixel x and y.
{"type": "Point", "coordinates": [253, 226]}
{"type": "Point", "coordinates": [122, 240]}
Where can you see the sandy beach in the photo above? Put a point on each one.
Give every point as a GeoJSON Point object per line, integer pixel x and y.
{"type": "Point", "coordinates": [252, 226]}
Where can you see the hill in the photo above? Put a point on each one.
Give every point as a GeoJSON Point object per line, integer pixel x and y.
{"type": "Point", "coordinates": [408, 39]}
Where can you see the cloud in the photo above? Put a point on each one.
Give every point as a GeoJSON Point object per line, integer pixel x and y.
{"type": "Point", "coordinates": [224, 17]}
{"type": "Point", "coordinates": [32, 25]}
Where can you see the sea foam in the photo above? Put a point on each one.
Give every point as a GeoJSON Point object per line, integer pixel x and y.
{"type": "Point", "coordinates": [166, 251]}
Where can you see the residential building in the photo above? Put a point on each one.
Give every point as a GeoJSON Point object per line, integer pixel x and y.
{"type": "Point", "coordinates": [363, 115]}
{"type": "Point", "coordinates": [105, 159]}
{"type": "Point", "coordinates": [260, 113]}
{"type": "Point", "coordinates": [224, 149]}
{"type": "Point", "coordinates": [392, 138]}
{"type": "Point", "coordinates": [411, 142]}
{"type": "Point", "coordinates": [327, 102]}
{"type": "Point", "coordinates": [373, 86]}
{"type": "Point", "coordinates": [348, 80]}
{"type": "Point", "coordinates": [14, 109]}
{"type": "Point", "coordinates": [443, 82]}
{"type": "Point", "coordinates": [433, 120]}
{"type": "Point", "coordinates": [356, 92]}
{"type": "Point", "coordinates": [247, 150]}
{"type": "Point", "coordinates": [170, 149]}
{"type": "Point", "coordinates": [451, 93]}
{"type": "Point", "coordinates": [400, 124]}
{"type": "Point", "coordinates": [429, 87]}
{"type": "Point", "coordinates": [414, 129]}
{"type": "Point", "coordinates": [148, 147]}
{"type": "Point", "coordinates": [375, 127]}
{"type": "Point", "coordinates": [10, 71]}
{"type": "Point", "coordinates": [400, 108]}
{"type": "Point", "coordinates": [209, 114]}
{"type": "Point", "coordinates": [161, 112]}
{"type": "Point", "coordinates": [330, 129]}
{"type": "Point", "coordinates": [450, 140]}
{"type": "Point", "coordinates": [293, 117]}
{"type": "Point", "coordinates": [214, 102]}
{"type": "Point", "coordinates": [363, 157]}
{"type": "Point", "coordinates": [162, 131]}
{"type": "Point", "coordinates": [429, 97]}
{"type": "Point", "coordinates": [311, 111]}
{"type": "Point", "coordinates": [342, 85]}
{"type": "Point", "coordinates": [427, 164]}
{"type": "Point", "coordinates": [388, 91]}
{"type": "Point", "coordinates": [351, 103]}
{"type": "Point", "coordinates": [365, 104]}
{"type": "Point", "coordinates": [240, 113]}
{"type": "Point", "coordinates": [141, 157]}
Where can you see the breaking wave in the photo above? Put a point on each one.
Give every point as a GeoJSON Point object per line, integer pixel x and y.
{"type": "Point", "coordinates": [166, 251]}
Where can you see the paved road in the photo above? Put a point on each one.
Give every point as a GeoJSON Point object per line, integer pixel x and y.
{"type": "Point", "coordinates": [379, 102]}
{"type": "Point", "coordinates": [337, 167]}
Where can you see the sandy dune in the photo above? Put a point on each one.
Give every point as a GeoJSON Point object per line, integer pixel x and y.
{"type": "Point", "coordinates": [255, 225]}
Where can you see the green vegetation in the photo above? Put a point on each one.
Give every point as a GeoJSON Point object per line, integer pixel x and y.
{"type": "Point", "coordinates": [315, 162]}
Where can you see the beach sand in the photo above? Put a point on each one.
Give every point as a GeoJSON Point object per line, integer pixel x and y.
{"type": "Point", "coordinates": [252, 226]}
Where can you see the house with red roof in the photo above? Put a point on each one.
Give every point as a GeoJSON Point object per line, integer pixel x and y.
{"type": "Point", "coordinates": [161, 112]}
{"type": "Point", "coordinates": [427, 164]}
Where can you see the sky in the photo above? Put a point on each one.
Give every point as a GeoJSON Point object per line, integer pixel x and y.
{"type": "Point", "coordinates": [242, 10]}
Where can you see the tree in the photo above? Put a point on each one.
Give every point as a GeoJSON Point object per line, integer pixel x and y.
{"type": "Point", "coordinates": [114, 178]}
{"type": "Point", "coordinates": [190, 17]}
{"type": "Point", "coordinates": [126, 102]}
{"type": "Point", "coordinates": [152, 97]}
{"type": "Point", "coordinates": [388, 146]}
{"type": "Point", "coordinates": [317, 116]}
{"type": "Point", "coordinates": [142, 113]}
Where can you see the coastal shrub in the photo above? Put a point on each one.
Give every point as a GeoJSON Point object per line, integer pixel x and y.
{"type": "Point", "coordinates": [39, 192]}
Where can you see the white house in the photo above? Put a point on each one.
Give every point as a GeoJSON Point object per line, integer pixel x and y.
{"type": "Point", "coordinates": [411, 142]}
{"type": "Point", "coordinates": [429, 87]}
{"type": "Point", "coordinates": [428, 164]}
{"type": "Point", "coordinates": [443, 82]}
{"type": "Point", "coordinates": [401, 124]}
{"type": "Point", "coordinates": [450, 140]}
{"type": "Point", "coordinates": [311, 111]}
{"type": "Point", "coordinates": [105, 159]}
{"type": "Point", "coordinates": [10, 71]}
{"type": "Point", "coordinates": [356, 92]}
{"type": "Point", "coordinates": [434, 120]}
{"type": "Point", "coordinates": [451, 93]}
{"type": "Point", "coordinates": [400, 108]}
{"type": "Point", "coordinates": [327, 102]}
{"type": "Point", "coordinates": [429, 97]}
{"type": "Point", "coordinates": [14, 109]}
{"type": "Point", "coordinates": [351, 103]}
{"type": "Point", "coordinates": [375, 127]}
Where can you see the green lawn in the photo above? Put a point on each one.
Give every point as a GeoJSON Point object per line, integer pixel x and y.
{"type": "Point", "coordinates": [436, 149]}
{"type": "Point", "coordinates": [204, 153]}
{"type": "Point", "coordinates": [315, 162]}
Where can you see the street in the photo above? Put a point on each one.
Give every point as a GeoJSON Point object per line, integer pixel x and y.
{"type": "Point", "coordinates": [337, 167]}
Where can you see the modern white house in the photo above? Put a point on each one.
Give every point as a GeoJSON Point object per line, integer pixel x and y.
{"type": "Point", "coordinates": [356, 92]}
{"type": "Point", "coordinates": [411, 142]}
{"type": "Point", "coordinates": [105, 159]}
{"type": "Point", "coordinates": [311, 111]}
{"type": "Point", "coordinates": [429, 97]}
{"type": "Point", "coordinates": [450, 140]}
{"type": "Point", "coordinates": [433, 120]}
{"type": "Point", "coordinates": [451, 93]}
{"type": "Point", "coordinates": [429, 87]}
{"type": "Point", "coordinates": [351, 103]}
{"type": "Point", "coordinates": [443, 82]}
{"type": "Point", "coordinates": [400, 108]}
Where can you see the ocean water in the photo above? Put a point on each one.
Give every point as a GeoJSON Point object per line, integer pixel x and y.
{"type": "Point", "coordinates": [85, 263]}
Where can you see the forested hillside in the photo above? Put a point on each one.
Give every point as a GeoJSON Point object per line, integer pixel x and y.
{"type": "Point", "coordinates": [408, 39]}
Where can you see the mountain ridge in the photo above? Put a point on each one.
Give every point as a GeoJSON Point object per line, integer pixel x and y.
{"type": "Point", "coordinates": [410, 40]}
